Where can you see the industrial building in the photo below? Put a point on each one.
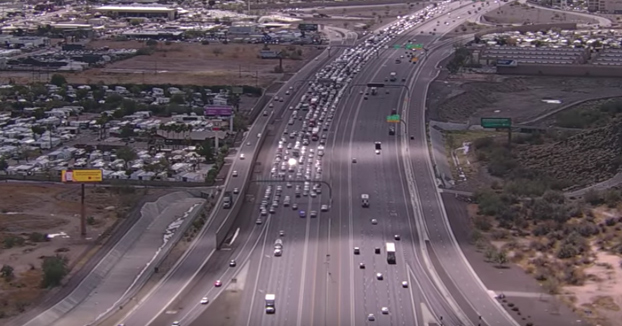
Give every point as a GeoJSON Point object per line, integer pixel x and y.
{"type": "Point", "coordinates": [605, 6]}
{"type": "Point", "coordinates": [23, 41]}
{"type": "Point", "coordinates": [154, 34]}
{"type": "Point", "coordinates": [608, 57]}
{"type": "Point", "coordinates": [539, 55]}
{"type": "Point", "coordinates": [137, 11]}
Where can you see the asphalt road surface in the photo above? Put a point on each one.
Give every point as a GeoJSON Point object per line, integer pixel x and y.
{"type": "Point", "coordinates": [177, 297]}
{"type": "Point", "coordinates": [318, 280]}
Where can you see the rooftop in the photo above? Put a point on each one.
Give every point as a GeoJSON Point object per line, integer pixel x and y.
{"type": "Point", "coordinates": [134, 8]}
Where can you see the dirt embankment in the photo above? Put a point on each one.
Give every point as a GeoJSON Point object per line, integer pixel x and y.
{"type": "Point", "coordinates": [584, 159]}
{"type": "Point", "coordinates": [468, 97]}
{"type": "Point", "coordinates": [39, 221]}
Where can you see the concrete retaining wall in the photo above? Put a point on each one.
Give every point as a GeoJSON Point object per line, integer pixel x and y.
{"type": "Point", "coordinates": [153, 208]}
{"type": "Point", "coordinates": [149, 212]}
{"type": "Point", "coordinates": [527, 28]}
{"type": "Point", "coordinates": [327, 4]}
{"type": "Point", "coordinates": [562, 70]}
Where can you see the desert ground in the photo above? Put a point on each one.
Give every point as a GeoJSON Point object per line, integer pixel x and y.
{"type": "Point", "coordinates": [590, 283]}
{"type": "Point", "coordinates": [195, 63]}
{"type": "Point", "coordinates": [512, 13]}
{"type": "Point", "coordinates": [180, 63]}
{"type": "Point", "coordinates": [596, 292]}
{"type": "Point", "coordinates": [28, 211]}
{"type": "Point", "coordinates": [465, 98]}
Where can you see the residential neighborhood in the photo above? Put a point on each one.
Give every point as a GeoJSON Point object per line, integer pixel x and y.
{"type": "Point", "coordinates": [144, 133]}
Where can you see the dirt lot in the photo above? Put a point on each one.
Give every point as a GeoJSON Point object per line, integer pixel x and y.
{"type": "Point", "coordinates": [354, 18]}
{"type": "Point", "coordinates": [27, 209]}
{"type": "Point", "coordinates": [187, 64]}
{"type": "Point", "coordinates": [593, 287]}
{"type": "Point", "coordinates": [520, 14]}
{"type": "Point", "coordinates": [468, 97]}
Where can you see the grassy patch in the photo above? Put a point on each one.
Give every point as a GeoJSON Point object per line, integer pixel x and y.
{"type": "Point", "coordinates": [468, 161]}
{"type": "Point", "coordinates": [591, 114]}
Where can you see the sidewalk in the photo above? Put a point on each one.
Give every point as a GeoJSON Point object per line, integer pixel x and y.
{"type": "Point", "coordinates": [129, 263]}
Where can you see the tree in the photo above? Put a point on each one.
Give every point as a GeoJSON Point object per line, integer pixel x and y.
{"type": "Point", "coordinates": [54, 270]}
{"type": "Point", "coordinates": [102, 121]}
{"type": "Point", "coordinates": [127, 131]}
{"type": "Point", "coordinates": [178, 99]}
{"type": "Point", "coordinates": [501, 258]}
{"type": "Point", "coordinates": [3, 165]}
{"type": "Point", "coordinates": [490, 254]}
{"type": "Point", "coordinates": [58, 80]}
{"type": "Point", "coordinates": [38, 130]}
{"type": "Point", "coordinates": [7, 272]}
{"type": "Point", "coordinates": [127, 154]}
{"type": "Point", "coordinates": [207, 151]}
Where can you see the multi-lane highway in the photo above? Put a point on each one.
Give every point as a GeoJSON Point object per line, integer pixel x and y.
{"type": "Point", "coordinates": [176, 298]}
{"type": "Point", "coordinates": [319, 279]}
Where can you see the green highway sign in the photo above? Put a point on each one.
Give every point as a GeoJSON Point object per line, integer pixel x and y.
{"type": "Point", "coordinates": [395, 118]}
{"type": "Point", "coordinates": [496, 122]}
{"type": "Point", "coordinates": [408, 46]}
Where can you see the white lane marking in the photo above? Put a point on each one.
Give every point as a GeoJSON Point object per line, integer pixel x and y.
{"type": "Point", "coordinates": [265, 240]}
{"type": "Point", "coordinates": [304, 269]}
{"type": "Point", "coordinates": [235, 235]}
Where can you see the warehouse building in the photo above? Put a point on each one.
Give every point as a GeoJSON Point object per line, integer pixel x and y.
{"type": "Point", "coordinates": [541, 55]}
{"type": "Point", "coordinates": [137, 11]}
{"type": "Point", "coordinates": [605, 6]}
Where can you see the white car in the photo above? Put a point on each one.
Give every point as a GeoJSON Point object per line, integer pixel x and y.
{"type": "Point", "coordinates": [404, 284]}
{"type": "Point", "coordinates": [374, 221]}
{"type": "Point", "coordinates": [371, 317]}
{"type": "Point", "coordinates": [385, 310]}
{"type": "Point", "coordinates": [242, 156]}
{"type": "Point", "coordinates": [236, 191]}
{"type": "Point", "coordinates": [379, 276]}
{"type": "Point", "coordinates": [205, 300]}
{"type": "Point", "coordinates": [324, 208]}
{"type": "Point", "coordinates": [176, 323]}
{"type": "Point", "coordinates": [235, 173]}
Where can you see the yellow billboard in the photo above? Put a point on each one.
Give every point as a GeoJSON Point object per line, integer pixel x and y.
{"type": "Point", "coordinates": [82, 176]}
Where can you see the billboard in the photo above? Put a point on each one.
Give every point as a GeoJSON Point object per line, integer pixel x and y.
{"type": "Point", "coordinates": [82, 176]}
{"type": "Point", "coordinates": [218, 111]}
{"type": "Point", "coordinates": [308, 27]}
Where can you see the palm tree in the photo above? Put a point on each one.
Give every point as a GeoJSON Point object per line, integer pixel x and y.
{"type": "Point", "coordinates": [189, 129]}
{"type": "Point", "coordinates": [102, 121]}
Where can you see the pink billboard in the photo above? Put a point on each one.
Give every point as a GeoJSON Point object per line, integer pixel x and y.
{"type": "Point", "coordinates": [218, 111]}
